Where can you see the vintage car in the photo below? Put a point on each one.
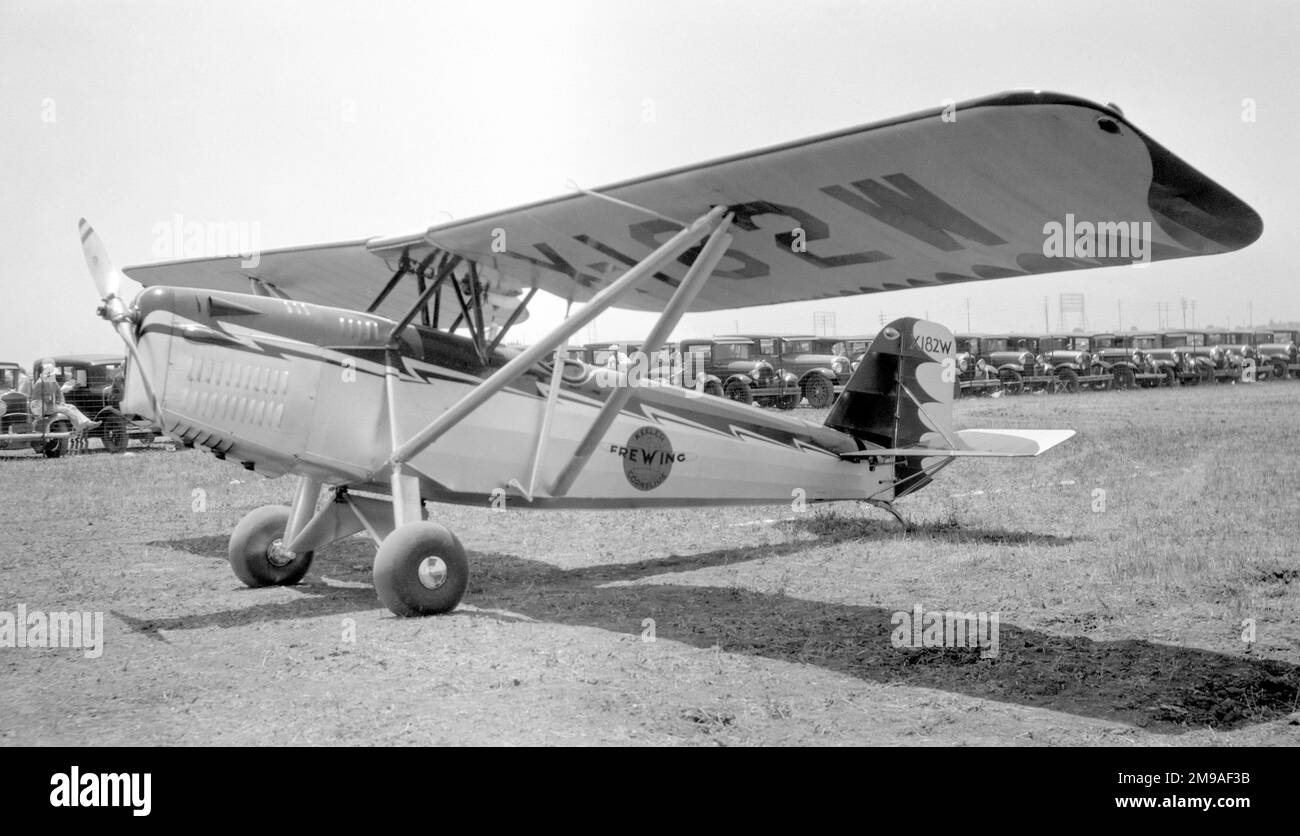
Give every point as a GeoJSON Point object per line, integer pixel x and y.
{"type": "Point", "coordinates": [1126, 362]}
{"type": "Point", "coordinates": [1070, 358]}
{"type": "Point", "coordinates": [1011, 358]}
{"type": "Point", "coordinates": [1213, 361]}
{"type": "Point", "coordinates": [1277, 350]}
{"type": "Point", "coordinates": [854, 348]}
{"type": "Point", "coordinates": [1175, 364]}
{"type": "Point", "coordinates": [22, 422]}
{"type": "Point", "coordinates": [744, 369]}
{"type": "Point", "coordinates": [93, 384]}
{"type": "Point", "coordinates": [1240, 347]}
{"type": "Point", "coordinates": [975, 374]}
{"type": "Point", "coordinates": [822, 372]}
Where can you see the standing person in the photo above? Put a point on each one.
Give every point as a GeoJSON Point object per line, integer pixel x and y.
{"type": "Point", "coordinates": [48, 394]}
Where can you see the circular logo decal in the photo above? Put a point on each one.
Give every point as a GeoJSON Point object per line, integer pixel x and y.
{"type": "Point", "coordinates": [649, 459]}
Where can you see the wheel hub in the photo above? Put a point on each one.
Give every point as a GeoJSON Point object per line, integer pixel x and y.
{"type": "Point", "coordinates": [432, 572]}
{"type": "Point", "coordinates": [277, 555]}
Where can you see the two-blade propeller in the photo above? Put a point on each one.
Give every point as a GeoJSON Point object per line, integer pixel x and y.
{"type": "Point", "coordinates": [109, 282]}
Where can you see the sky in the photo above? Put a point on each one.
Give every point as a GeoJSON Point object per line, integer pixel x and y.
{"type": "Point", "coordinates": [307, 122]}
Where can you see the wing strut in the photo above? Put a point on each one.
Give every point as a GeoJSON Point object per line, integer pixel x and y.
{"type": "Point", "coordinates": [696, 276]}
{"type": "Point", "coordinates": [505, 375]}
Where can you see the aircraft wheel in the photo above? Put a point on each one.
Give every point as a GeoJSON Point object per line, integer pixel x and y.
{"type": "Point", "coordinates": [819, 392]}
{"type": "Point", "coordinates": [256, 549]}
{"type": "Point", "coordinates": [739, 392]}
{"type": "Point", "coordinates": [421, 569]}
{"type": "Point", "coordinates": [56, 447]}
{"type": "Point", "coordinates": [113, 434]}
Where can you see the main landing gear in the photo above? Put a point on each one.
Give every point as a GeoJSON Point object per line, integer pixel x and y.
{"type": "Point", "coordinates": [419, 569]}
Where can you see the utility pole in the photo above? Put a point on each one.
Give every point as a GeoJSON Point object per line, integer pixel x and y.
{"type": "Point", "coordinates": [1119, 315]}
{"type": "Point", "coordinates": [1047, 326]}
{"type": "Point", "coordinates": [1184, 311]}
{"type": "Point", "coordinates": [967, 314]}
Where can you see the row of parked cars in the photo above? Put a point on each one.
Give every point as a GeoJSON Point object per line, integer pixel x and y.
{"type": "Point", "coordinates": [1015, 363]}
{"type": "Point", "coordinates": [92, 384]}
{"type": "Point", "coordinates": [763, 369]}
{"type": "Point", "coordinates": [786, 371]}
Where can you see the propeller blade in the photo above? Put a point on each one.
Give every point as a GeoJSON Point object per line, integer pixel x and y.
{"type": "Point", "coordinates": [109, 282]}
{"type": "Point", "coordinates": [108, 279]}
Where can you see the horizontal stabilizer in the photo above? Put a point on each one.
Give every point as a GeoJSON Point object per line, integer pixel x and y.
{"type": "Point", "coordinates": [983, 443]}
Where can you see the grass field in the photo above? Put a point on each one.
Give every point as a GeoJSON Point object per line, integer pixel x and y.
{"type": "Point", "coordinates": [1126, 566]}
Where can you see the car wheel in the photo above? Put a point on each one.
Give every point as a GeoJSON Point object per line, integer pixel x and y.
{"type": "Point", "coordinates": [1012, 383]}
{"type": "Point", "coordinates": [739, 392]}
{"type": "Point", "coordinates": [1124, 377]}
{"type": "Point", "coordinates": [714, 388]}
{"type": "Point", "coordinates": [56, 447]}
{"type": "Point", "coordinates": [1067, 380]}
{"type": "Point", "coordinates": [819, 392]}
{"type": "Point", "coordinates": [1279, 370]}
{"type": "Point", "coordinates": [113, 434]}
{"type": "Point", "coordinates": [421, 569]}
{"type": "Point", "coordinates": [256, 551]}
{"type": "Point", "coordinates": [1171, 377]}
{"type": "Point", "coordinates": [789, 402]}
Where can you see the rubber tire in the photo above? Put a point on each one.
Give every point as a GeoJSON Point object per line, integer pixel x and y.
{"type": "Point", "coordinates": [57, 447]}
{"type": "Point", "coordinates": [819, 392]}
{"type": "Point", "coordinates": [1171, 377]}
{"type": "Point", "coordinates": [397, 562]}
{"type": "Point", "coordinates": [113, 434]}
{"type": "Point", "coordinates": [249, 544]}
{"type": "Point", "coordinates": [1279, 370]}
{"type": "Point", "coordinates": [788, 402]}
{"type": "Point", "coordinates": [740, 393]}
{"type": "Point", "coordinates": [1012, 382]}
{"type": "Point", "coordinates": [713, 388]}
{"type": "Point", "coordinates": [1067, 380]}
{"type": "Point", "coordinates": [1125, 378]}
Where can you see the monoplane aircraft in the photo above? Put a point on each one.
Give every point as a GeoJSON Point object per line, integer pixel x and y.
{"type": "Point", "coordinates": [373, 370]}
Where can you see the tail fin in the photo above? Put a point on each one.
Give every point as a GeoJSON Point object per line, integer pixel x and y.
{"type": "Point", "coordinates": [898, 398]}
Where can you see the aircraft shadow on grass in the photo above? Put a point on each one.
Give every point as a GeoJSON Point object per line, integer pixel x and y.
{"type": "Point", "coordinates": [1164, 688]}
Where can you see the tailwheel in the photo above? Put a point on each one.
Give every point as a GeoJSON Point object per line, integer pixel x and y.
{"type": "Point", "coordinates": [257, 553]}
{"type": "Point", "coordinates": [421, 569]}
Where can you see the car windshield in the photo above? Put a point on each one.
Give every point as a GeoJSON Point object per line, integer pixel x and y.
{"type": "Point", "coordinates": [799, 347]}
{"type": "Point", "coordinates": [1145, 342]}
{"type": "Point", "coordinates": [8, 378]}
{"type": "Point", "coordinates": [733, 351]}
{"type": "Point", "coordinates": [996, 344]}
{"type": "Point", "coordinates": [1105, 342]}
